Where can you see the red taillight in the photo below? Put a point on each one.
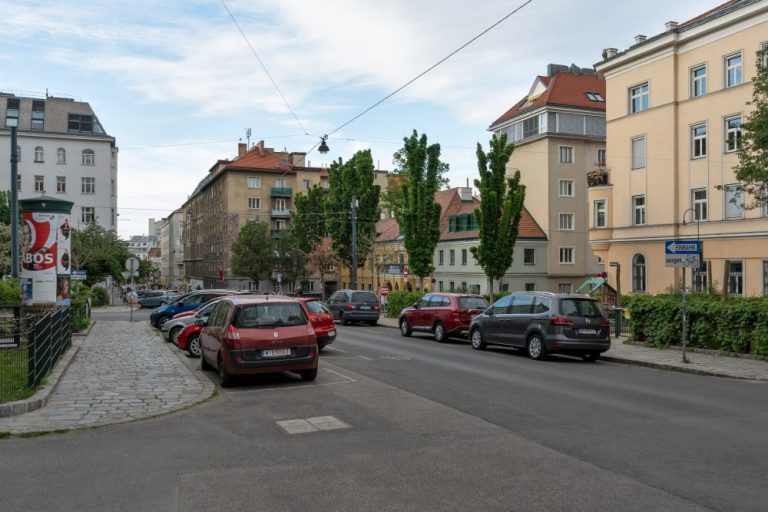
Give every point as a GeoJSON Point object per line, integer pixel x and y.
{"type": "Point", "coordinates": [376, 307]}
{"type": "Point", "coordinates": [605, 322]}
{"type": "Point", "coordinates": [349, 307]}
{"type": "Point", "coordinates": [456, 316]}
{"type": "Point", "coordinates": [231, 336]}
{"type": "Point", "coordinates": [561, 320]}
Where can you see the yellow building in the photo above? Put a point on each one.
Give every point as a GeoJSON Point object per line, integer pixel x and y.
{"type": "Point", "coordinates": [675, 105]}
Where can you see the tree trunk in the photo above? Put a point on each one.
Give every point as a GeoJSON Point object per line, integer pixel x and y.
{"type": "Point", "coordinates": [490, 289]}
{"type": "Point", "coordinates": [322, 286]}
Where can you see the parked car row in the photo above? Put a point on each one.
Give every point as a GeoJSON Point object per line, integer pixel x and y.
{"type": "Point", "coordinates": [155, 298]}
{"type": "Point", "coordinates": [540, 323]}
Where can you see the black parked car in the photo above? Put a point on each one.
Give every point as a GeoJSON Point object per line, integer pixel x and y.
{"type": "Point", "coordinates": [354, 306]}
{"type": "Point", "coordinates": [544, 323]}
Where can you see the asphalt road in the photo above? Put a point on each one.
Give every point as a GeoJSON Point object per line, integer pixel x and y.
{"type": "Point", "coordinates": [427, 426]}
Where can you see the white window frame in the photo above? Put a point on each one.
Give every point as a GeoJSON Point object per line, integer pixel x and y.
{"type": "Point", "coordinates": [564, 287]}
{"type": "Point", "coordinates": [699, 141]}
{"type": "Point", "coordinates": [281, 205]}
{"type": "Point", "coordinates": [567, 221]}
{"type": "Point", "coordinates": [254, 181]}
{"type": "Point", "coordinates": [736, 278]}
{"type": "Point", "coordinates": [765, 277]}
{"type": "Point", "coordinates": [89, 157]}
{"type": "Point", "coordinates": [699, 205]}
{"type": "Point", "coordinates": [526, 252]}
{"type": "Point", "coordinates": [61, 184]}
{"type": "Point", "coordinates": [61, 156]}
{"type": "Point", "coordinates": [39, 154]}
{"type": "Point", "coordinates": [601, 156]}
{"type": "Point", "coordinates": [738, 70]}
{"type": "Point", "coordinates": [733, 144]}
{"type": "Point", "coordinates": [280, 183]}
{"type": "Point", "coordinates": [39, 183]}
{"type": "Point", "coordinates": [641, 93]}
{"type": "Point", "coordinates": [597, 210]}
{"type": "Point", "coordinates": [639, 211]}
{"type": "Point", "coordinates": [254, 203]}
{"type": "Point", "coordinates": [87, 214]}
{"type": "Point", "coordinates": [305, 185]}
{"type": "Point", "coordinates": [639, 278]}
{"type": "Point", "coordinates": [566, 154]}
{"type": "Point", "coordinates": [698, 83]}
{"type": "Point", "coordinates": [764, 47]}
{"type": "Point", "coordinates": [733, 190]}
{"type": "Point", "coordinates": [567, 256]}
{"type": "Point", "coordinates": [87, 185]}
{"type": "Point", "coordinates": [569, 188]}
{"type": "Point", "coordinates": [641, 163]}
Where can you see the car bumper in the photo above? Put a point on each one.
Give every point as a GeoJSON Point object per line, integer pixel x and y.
{"type": "Point", "coordinates": [363, 316]}
{"type": "Point", "coordinates": [564, 345]}
{"type": "Point", "coordinates": [244, 362]}
{"type": "Point", "coordinates": [326, 339]}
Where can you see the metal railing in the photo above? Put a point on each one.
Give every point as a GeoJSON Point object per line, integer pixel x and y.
{"type": "Point", "coordinates": [29, 348]}
{"type": "Point", "coordinates": [619, 322]}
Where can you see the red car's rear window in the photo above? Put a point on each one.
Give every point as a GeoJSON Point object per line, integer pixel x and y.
{"type": "Point", "coordinates": [315, 307]}
{"type": "Point", "coordinates": [472, 303]}
{"type": "Point", "coordinates": [269, 314]}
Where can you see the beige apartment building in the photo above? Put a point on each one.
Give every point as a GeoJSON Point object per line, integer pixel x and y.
{"type": "Point", "coordinates": [258, 186]}
{"type": "Point", "coordinates": [559, 134]}
{"type": "Point", "coordinates": [675, 105]}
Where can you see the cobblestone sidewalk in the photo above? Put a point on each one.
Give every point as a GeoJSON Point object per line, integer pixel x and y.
{"type": "Point", "coordinates": [123, 371]}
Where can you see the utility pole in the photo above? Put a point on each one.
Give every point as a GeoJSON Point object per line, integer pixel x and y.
{"type": "Point", "coordinates": [14, 205]}
{"type": "Point", "coordinates": [353, 273]}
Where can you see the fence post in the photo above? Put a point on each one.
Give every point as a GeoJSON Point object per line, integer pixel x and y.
{"type": "Point", "coordinates": [31, 354]}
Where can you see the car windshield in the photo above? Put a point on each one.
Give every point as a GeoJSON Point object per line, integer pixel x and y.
{"type": "Point", "coordinates": [253, 316]}
{"type": "Point", "coordinates": [580, 307]}
{"type": "Point", "coordinates": [472, 303]}
{"type": "Point", "coordinates": [363, 297]}
{"type": "Point", "coordinates": [315, 307]}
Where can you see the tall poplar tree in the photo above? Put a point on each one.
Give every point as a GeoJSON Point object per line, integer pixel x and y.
{"type": "Point", "coordinates": [418, 214]}
{"type": "Point", "coordinates": [500, 209]}
{"type": "Point", "coordinates": [308, 223]}
{"type": "Point", "coordinates": [353, 178]}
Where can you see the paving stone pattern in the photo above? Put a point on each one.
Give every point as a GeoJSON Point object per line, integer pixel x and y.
{"type": "Point", "coordinates": [123, 371]}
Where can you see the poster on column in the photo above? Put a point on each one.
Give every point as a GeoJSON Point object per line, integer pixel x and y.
{"type": "Point", "coordinates": [38, 260]}
{"type": "Point", "coordinates": [64, 260]}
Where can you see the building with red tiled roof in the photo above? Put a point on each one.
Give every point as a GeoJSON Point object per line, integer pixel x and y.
{"type": "Point", "coordinates": [558, 130]}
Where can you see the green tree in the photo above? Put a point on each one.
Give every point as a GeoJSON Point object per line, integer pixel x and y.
{"type": "Point", "coordinates": [291, 260]}
{"type": "Point", "coordinates": [5, 249]}
{"type": "Point", "coordinates": [253, 253]}
{"type": "Point", "coordinates": [309, 220]}
{"type": "Point", "coordinates": [323, 260]}
{"type": "Point", "coordinates": [417, 213]}
{"type": "Point", "coordinates": [752, 170]}
{"type": "Point", "coordinates": [5, 207]}
{"type": "Point", "coordinates": [353, 178]}
{"type": "Point", "coordinates": [98, 251]}
{"type": "Point", "coordinates": [501, 207]}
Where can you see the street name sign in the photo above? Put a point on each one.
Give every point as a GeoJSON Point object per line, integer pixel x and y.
{"type": "Point", "coordinates": [683, 253]}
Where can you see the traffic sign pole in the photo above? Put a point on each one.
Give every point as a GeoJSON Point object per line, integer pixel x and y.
{"type": "Point", "coordinates": [683, 315]}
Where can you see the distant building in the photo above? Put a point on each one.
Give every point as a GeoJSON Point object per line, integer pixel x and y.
{"type": "Point", "coordinates": [172, 264]}
{"type": "Point", "coordinates": [140, 245]}
{"type": "Point", "coordinates": [64, 152]}
{"type": "Point", "coordinates": [676, 104]}
{"type": "Point", "coordinates": [559, 134]}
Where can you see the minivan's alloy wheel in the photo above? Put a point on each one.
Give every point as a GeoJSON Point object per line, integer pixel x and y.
{"type": "Point", "coordinates": [405, 328]}
{"type": "Point", "coordinates": [477, 340]}
{"type": "Point", "coordinates": [439, 332]}
{"type": "Point", "coordinates": [536, 348]}
{"type": "Point", "coordinates": [193, 345]}
{"type": "Point", "coordinates": [173, 337]}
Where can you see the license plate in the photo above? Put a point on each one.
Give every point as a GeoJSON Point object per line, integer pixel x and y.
{"type": "Point", "coordinates": [588, 331]}
{"type": "Point", "coordinates": [367, 308]}
{"type": "Point", "coordinates": [279, 352]}
{"type": "Point", "coordinates": [332, 333]}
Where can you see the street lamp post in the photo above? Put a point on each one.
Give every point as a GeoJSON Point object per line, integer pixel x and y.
{"type": "Point", "coordinates": [14, 204]}
{"type": "Point", "coordinates": [695, 217]}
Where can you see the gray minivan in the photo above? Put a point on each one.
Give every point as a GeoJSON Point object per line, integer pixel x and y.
{"type": "Point", "coordinates": [544, 323]}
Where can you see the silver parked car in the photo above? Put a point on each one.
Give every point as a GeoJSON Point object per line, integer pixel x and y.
{"type": "Point", "coordinates": [154, 298]}
{"type": "Point", "coordinates": [173, 327]}
{"type": "Point", "coordinates": [544, 323]}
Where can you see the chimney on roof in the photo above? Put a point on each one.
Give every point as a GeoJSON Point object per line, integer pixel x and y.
{"type": "Point", "coordinates": [297, 159]}
{"type": "Point", "coordinates": [242, 148]}
{"type": "Point", "coordinates": [610, 53]}
{"type": "Point", "coordinates": [555, 68]}
{"type": "Point", "coordinates": [639, 38]}
{"type": "Point", "coordinates": [670, 26]}
{"type": "Point", "coordinates": [465, 194]}
{"type": "Point", "coordinates": [260, 146]}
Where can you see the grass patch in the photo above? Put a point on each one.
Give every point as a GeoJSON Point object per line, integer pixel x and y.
{"type": "Point", "coordinates": [13, 375]}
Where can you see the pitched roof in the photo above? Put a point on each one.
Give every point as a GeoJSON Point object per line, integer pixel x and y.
{"type": "Point", "coordinates": [563, 89]}
{"type": "Point", "coordinates": [387, 230]}
{"type": "Point", "coordinates": [452, 205]}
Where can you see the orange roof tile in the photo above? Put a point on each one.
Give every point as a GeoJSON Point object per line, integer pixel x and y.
{"type": "Point", "coordinates": [387, 230]}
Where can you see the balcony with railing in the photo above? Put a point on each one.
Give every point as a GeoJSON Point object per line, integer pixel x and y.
{"type": "Point", "coordinates": [598, 177]}
{"type": "Point", "coordinates": [282, 192]}
{"type": "Point", "coordinates": [281, 214]}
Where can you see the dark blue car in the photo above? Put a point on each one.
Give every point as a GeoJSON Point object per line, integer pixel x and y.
{"type": "Point", "coordinates": [186, 302]}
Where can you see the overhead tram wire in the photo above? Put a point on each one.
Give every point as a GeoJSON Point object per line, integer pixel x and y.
{"type": "Point", "coordinates": [266, 71]}
{"type": "Point", "coordinates": [433, 66]}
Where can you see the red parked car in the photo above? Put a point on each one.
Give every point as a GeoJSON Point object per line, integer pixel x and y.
{"type": "Point", "coordinates": [189, 339]}
{"type": "Point", "coordinates": [442, 314]}
{"type": "Point", "coordinates": [249, 335]}
{"type": "Point", "coordinates": [322, 322]}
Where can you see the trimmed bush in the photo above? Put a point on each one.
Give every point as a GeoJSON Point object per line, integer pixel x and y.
{"type": "Point", "coordinates": [397, 301]}
{"type": "Point", "coordinates": [99, 296]}
{"type": "Point", "coordinates": [10, 291]}
{"type": "Point", "coordinates": [739, 325]}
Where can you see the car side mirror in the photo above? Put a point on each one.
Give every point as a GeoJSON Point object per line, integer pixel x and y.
{"type": "Point", "coordinates": [415, 305]}
{"type": "Point", "coordinates": [489, 311]}
{"type": "Point", "coordinates": [201, 322]}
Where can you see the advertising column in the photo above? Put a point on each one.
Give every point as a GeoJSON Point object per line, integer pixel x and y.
{"type": "Point", "coordinates": [46, 248]}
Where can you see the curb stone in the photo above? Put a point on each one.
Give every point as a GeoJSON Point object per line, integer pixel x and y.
{"type": "Point", "coordinates": [674, 368]}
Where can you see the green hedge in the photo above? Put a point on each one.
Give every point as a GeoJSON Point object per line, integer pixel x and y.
{"type": "Point", "coordinates": [739, 325]}
{"type": "Point", "coordinates": [396, 301]}
{"type": "Point", "coordinates": [99, 296]}
{"type": "Point", "coordinates": [10, 291]}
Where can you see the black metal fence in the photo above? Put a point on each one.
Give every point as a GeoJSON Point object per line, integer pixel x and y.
{"type": "Point", "coordinates": [29, 348]}
{"type": "Point", "coordinates": [620, 322]}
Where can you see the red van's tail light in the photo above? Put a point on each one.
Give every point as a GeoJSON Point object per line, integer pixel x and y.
{"type": "Point", "coordinates": [376, 307]}
{"type": "Point", "coordinates": [231, 336]}
{"type": "Point", "coordinates": [605, 322]}
{"type": "Point", "coordinates": [561, 320]}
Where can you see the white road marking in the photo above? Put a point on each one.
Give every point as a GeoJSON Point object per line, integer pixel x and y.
{"type": "Point", "coordinates": [301, 426]}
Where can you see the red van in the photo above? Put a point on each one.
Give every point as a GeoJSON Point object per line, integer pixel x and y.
{"type": "Point", "coordinates": [246, 335]}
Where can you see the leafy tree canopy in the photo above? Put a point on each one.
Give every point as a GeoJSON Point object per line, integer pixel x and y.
{"type": "Point", "coordinates": [253, 253]}
{"type": "Point", "coordinates": [309, 226]}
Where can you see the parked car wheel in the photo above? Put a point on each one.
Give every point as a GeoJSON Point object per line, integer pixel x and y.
{"type": "Point", "coordinates": [590, 357]}
{"type": "Point", "coordinates": [320, 347]}
{"type": "Point", "coordinates": [161, 321]}
{"type": "Point", "coordinates": [308, 375]}
{"type": "Point", "coordinates": [173, 336]}
{"type": "Point", "coordinates": [225, 379]}
{"type": "Point", "coordinates": [439, 332]}
{"type": "Point", "coordinates": [536, 349]}
{"type": "Point", "coordinates": [477, 340]}
{"type": "Point", "coordinates": [405, 328]}
{"type": "Point", "coordinates": [193, 345]}
{"type": "Point", "coordinates": [204, 365]}
{"type": "Point", "coordinates": [342, 320]}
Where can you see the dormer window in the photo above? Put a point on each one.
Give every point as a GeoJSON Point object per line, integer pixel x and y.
{"type": "Point", "coordinates": [594, 96]}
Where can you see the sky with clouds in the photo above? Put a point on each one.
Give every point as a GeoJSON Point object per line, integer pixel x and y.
{"type": "Point", "coordinates": [177, 85]}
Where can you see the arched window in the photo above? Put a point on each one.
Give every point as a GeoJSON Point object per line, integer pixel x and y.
{"type": "Point", "coordinates": [39, 154]}
{"type": "Point", "coordinates": [61, 156]}
{"type": "Point", "coordinates": [638, 273]}
{"type": "Point", "coordinates": [89, 157]}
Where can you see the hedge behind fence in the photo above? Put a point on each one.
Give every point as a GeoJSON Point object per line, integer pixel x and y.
{"type": "Point", "coordinates": [396, 301]}
{"type": "Point", "coordinates": [738, 325]}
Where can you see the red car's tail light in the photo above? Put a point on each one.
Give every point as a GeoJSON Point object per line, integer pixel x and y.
{"type": "Point", "coordinates": [231, 336]}
{"type": "Point", "coordinates": [561, 320]}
